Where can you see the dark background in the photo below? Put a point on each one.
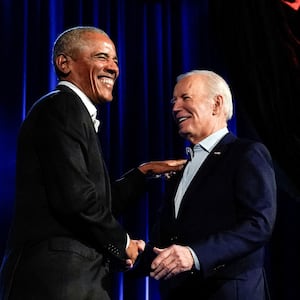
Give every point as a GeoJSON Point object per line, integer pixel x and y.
{"type": "Point", "coordinates": [253, 44]}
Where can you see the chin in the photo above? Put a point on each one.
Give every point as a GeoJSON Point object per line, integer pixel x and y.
{"type": "Point", "coordinates": [182, 133]}
{"type": "Point", "coordinates": [105, 99]}
{"type": "Point", "coordinates": [109, 98]}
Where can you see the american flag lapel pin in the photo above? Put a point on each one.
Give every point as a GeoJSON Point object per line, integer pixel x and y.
{"type": "Point", "coordinates": [217, 153]}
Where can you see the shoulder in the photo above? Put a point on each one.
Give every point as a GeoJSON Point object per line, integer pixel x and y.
{"type": "Point", "coordinates": [251, 144]}
{"type": "Point", "coordinates": [242, 143]}
{"type": "Point", "coordinates": [253, 151]}
{"type": "Point", "coordinates": [245, 148]}
{"type": "Point", "coordinates": [61, 101]}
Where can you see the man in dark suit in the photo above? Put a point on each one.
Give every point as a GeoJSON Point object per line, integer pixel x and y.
{"type": "Point", "coordinates": [65, 236]}
{"type": "Point", "coordinates": [220, 212]}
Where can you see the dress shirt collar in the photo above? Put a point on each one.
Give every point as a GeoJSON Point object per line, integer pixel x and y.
{"type": "Point", "coordinates": [212, 140]}
{"type": "Point", "coordinates": [208, 143]}
{"type": "Point", "coordinates": [86, 101]}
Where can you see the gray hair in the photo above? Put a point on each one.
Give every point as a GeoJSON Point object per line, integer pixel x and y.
{"type": "Point", "coordinates": [71, 40]}
{"type": "Point", "coordinates": [215, 85]}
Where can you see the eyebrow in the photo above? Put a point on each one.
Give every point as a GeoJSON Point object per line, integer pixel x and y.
{"type": "Point", "coordinates": [106, 55]}
{"type": "Point", "coordinates": [184, 95]}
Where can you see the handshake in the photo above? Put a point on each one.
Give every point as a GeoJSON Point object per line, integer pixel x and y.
{"type": "Point", "coordinates": [168, 262]}
{"type": "Point", "coordinates": [174, 259]}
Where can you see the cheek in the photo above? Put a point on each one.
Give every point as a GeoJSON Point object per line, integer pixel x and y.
{"type": "Point", "coordinates": [202, 113]}
{"type": "Point", "coordinates": [200, 121]}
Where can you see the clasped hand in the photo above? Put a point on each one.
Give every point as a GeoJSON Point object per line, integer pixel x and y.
{"type": "Point", "coordinates": [171, 261]}
{"type": "Point", "coordinates": [133, 250]}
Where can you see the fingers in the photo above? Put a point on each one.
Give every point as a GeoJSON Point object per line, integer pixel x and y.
{"type": "Point", "coordinates": [163, 264]}
{"type": "Point", "coordinates": [141, 245]}
{"type": "Point", "coordinates": [157, 250]}
{"type": "Point", "coordinates": [171, 261]}
{"type": "Point", "coordinates": [176, 162]}
{"type": "Point", "coordinates": [162, 167]}
{"type": "Point", "coordinates": [134, 249]}
{"type": "Point", "coordinates": [129, 263]}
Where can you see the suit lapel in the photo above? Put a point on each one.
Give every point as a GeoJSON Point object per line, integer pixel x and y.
{"type": "Point", "coordinates": [208, 166]}
{"type": "Point", "coordinates": [66, 89]}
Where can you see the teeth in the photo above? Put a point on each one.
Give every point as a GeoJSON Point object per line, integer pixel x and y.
{"type": "Point", "coordinates": [107, 81]}
{"type": "Point", "coordinates": [181, 119]}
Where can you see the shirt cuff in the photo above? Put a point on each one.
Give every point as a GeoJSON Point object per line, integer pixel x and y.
{"type": "Point", "coordinates": [128, 241]}
{"type": "Point", "coordinates": [196, 260]}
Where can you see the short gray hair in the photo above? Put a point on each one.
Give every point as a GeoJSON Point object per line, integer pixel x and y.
{"type": "Point", "coordinates": [216, 85]}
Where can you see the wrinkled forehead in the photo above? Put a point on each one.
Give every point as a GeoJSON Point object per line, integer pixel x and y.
{"type": "Point", "coordinates": [98, 42]}
{"type": "Point", "coordinates": [190, 84]}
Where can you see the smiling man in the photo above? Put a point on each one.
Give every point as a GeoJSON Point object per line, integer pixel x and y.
{"type": "Point", "coordinates": [219, 213]}
{"type": "Point", "coordinates": [65, 234]}
{"type": "Point", "coordinates": [87, 58]}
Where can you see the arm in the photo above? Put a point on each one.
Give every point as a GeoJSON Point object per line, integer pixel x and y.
{"type": "Point", "coordinates": [75, 178]}
{"type": "Point", "coordinates": [131, 186]}
{"type": "Point", "coordinates": [255, 204]}
{"type": "Point", "coordinates": [254, 191]}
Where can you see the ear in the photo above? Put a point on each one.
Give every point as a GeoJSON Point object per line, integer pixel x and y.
{"type": "Point", "coordinates": [218, 104]}
{"type": "Point", "coordinates": [63, 64]}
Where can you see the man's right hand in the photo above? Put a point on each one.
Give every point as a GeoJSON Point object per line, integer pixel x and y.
{"type": "Point", "coordinates": [133, 250]}
{"type": "Point", "coordinates": [164, 168]}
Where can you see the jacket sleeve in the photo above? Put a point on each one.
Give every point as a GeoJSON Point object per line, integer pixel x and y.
{"type": "Point", "coordinates": [75, 177]}
{"type": "Point", "coordinates": [255, 198]}
{"type": "Point", "coordinates": [127, 190]}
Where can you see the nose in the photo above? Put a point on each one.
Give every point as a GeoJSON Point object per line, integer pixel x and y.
{"type": "Point", "coordinates": [176, 105]}
{"type": "Point", "coordinates": [175, 111]}
{"type": "Point", "coordinates": [112, 67]}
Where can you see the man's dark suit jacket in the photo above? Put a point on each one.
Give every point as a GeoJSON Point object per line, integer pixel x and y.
{"type": "Point", "coordinates": [226, 216]}
{"type": "Point", "coordinates": [64, 235]}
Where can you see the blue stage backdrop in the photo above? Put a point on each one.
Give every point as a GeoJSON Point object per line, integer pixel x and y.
{"type": "Point", "coordinates": [156, 41]}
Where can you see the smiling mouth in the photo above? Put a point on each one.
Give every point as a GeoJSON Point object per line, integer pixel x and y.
{"type": "Point", "coordinates": [109, 82]}
{"type": "Point", "coordinates": [182, 119]}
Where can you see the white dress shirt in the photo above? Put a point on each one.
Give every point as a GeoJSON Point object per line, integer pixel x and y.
{"type": "Point", "coordinates": [198, 154]}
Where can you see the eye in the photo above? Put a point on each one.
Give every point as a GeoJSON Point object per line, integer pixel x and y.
{"type": "Point", "coordinates": [105, 57]}
{"type": "Point", "coordinates": [183, 98]}
{"type": "Point", "coordinates": [116, 61]}
{"type": "Point", "coordinates": [186, 98]}
{"type": "Point", "coordinates": [101, 56]}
